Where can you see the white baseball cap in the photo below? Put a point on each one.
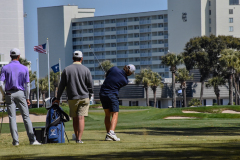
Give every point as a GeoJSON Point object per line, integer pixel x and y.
{"type": "Point", "coordinates": [14, 52]}
{"type": "Point", "coordinates": [131, 68]}
{"type": "Point", "coordinates": [78, 54]}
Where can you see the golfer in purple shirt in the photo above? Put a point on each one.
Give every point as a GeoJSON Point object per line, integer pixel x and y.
{"type": "Point", "coordinates": [16, 78]}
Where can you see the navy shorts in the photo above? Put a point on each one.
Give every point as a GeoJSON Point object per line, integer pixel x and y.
{"type": "Point", "coordinates": [110, 101]}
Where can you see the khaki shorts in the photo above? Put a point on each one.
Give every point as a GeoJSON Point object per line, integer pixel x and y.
{"type": "Point", "coordinates": [78, 107]}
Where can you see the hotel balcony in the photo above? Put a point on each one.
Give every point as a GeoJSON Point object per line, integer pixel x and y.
{"type": "Point", "coordinates": [145, 38]}
{"type": "Point", "coordinates": [76, 27]}
{"type": "Point", "coordinates": [122, 40]}
{"type": "Point", "coordinates": [145, 54]}
{"type": "Point", "coordinates": [98, 33]}
{"type": "Point", "coordinates": [99, 41]}
{"type": "Point", "coordinates": [121, 24]}
{"type": "Point", "coordinates": [145, 30]}
{"type": "Point", "coordinates": [99, 49]}
{"type": "Point", "coordinates": [98, 26]}
{"type": "Point", "coordinates": [122, 56]}
{"type": "Point", "coordinates": [122, 32]}
{"type": "Point", "coordinates": [145, 46]}
{"type": "Point", "coordinates": [77, 35]}
{"type": "Point", "coordinates": [146, 62]}
{"type": "Point", "coordinates": [77, 43]}
{"type": "Point", "coordinates": [145, 22]}
{"type": "Point", "coordinates": [122, 48]}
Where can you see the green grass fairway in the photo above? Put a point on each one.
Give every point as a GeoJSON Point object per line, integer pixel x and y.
{"type": "Point", "coordinates": [144, 135]}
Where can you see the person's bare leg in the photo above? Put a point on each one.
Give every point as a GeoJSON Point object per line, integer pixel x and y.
{"type": "Point", "coordinates": [81, 125]}
{"type": "Point", "coordinates": [114, 120]}
{"type": "Point", "coordinates": [75, 126]}
{"type": "Point", "coordinates": [107, 119]}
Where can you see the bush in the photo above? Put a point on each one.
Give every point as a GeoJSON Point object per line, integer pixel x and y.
{"type": "Point", "coordinates": [194, 102]}
{"type": "Point", "coordinates": [214, 104]}
{"type": "Point", "coordinates": [233, 103]}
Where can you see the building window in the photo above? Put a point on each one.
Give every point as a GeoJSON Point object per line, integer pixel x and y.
{"type": "Point", "coordinates": [120, 102]}
{"type": "Point", "coordinates": [209, 3]}
{"type": "Point", "coordinates": [178, 104]}
{"type": "Point", "coordinates": [230, 20]}
{"type": "Point", "coordinates": [210, 29]}
{"type": "Point", "coordinates": [160, 17]}
{"type": "Point", "coordinates": [230, 11]}
{"type": "Point", "coordinates": [210, 20]}
{"type": "Point", "coordinates": [233, 2]}
{"type": "Point", "coordinates": [133, 103]}
{"type": "Point", "coordinates": [210, 12]}
{"type": "Point", "coordinates": [231, 29]}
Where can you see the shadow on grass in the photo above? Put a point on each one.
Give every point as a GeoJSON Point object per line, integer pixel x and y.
{"type": "Point", "coordinates": [204, 131]}
{"type": "Point", "coordinates": [175, 151]}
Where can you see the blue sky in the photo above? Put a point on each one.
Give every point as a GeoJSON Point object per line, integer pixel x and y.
{"type": "Point", "coordinates": [102, 7]}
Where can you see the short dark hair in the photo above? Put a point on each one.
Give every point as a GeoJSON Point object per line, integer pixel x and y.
{"type": "Point", "coordinates": [14, 56]}
{"type": "Point", "coordinates": [77, 59]}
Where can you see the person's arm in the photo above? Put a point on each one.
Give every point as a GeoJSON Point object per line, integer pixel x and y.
{"type": "Point", "coordinates": [2, 87]}
{"type": "Point", "coordinates": [2, 90]}
{"type": "Point", "coordinates": [27, 87]}
{"type": "Point", "coordinates": [89, 84]}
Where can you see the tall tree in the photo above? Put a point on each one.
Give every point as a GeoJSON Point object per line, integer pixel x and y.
{"type": "Point", "coordinates": [106, 65]}
{"type": "Point", "coordinates": [182, 75]}
{"type": "Point", "coordinates": [55, 80]}
{"type": "Point", "coordinates": [215, 82]}
{"type": "Point", "coordinates": [202, 53]}
{"type": "Point", "coordinates": [155, 81]}
{"type": "Point", "coordinates": [32, 77]}
{"type": "Point", "coordinates": [43, 87]}
{"type": "Point", "coordinates": [143, 78]}
{"type": "Point", "coordinates": [172, 60]}
{"type": "Point", "coordinates": [229, 58]}
{"type": "Point", "coordinates": [24, 62]}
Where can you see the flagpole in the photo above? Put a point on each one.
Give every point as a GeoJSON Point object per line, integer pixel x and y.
{"type": "Point", "coordinates": [48, 69]}
{"type": "Point", "coordinates": [37, 83]}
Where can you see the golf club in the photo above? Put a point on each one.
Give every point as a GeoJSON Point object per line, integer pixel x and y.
{"type": "Point", "coordinates": [97, 59]}
{"type": "Point", "coordinates": [2, 119]}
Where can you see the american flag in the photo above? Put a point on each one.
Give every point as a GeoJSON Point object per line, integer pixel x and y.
{"type": "Point", "coordinates": [40, 48]}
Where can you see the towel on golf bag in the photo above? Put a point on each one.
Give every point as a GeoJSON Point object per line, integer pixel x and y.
{"type": "Point", "coordinates": [55, 128]}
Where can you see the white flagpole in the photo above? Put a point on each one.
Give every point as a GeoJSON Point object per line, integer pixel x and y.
{"type": "Point", "coordinates": [37, 83]}
{"type": "Point", "coordinates": [48, 69]}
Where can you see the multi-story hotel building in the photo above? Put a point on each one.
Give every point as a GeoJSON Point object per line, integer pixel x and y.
{"type": "Point", "coordinates": [137, 38]}
{"type": "Point", "coordinates": [11, 29]}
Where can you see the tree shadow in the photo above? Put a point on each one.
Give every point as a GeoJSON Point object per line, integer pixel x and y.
{"type": "Point", "coordinates": [204, 131]}
{"type": "Point", "coordinates": [170, 151]}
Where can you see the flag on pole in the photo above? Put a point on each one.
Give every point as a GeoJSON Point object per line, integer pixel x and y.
{"type": "Point", "coordinates": [40, 48]}
{"type": "Point", "coordinates": [55, 68]}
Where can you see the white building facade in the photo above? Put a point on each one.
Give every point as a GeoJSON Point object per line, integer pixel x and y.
{"type": "Point", "coordinates": [11, 29]}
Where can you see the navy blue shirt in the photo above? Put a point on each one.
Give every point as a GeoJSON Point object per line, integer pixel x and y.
{"type": "Point", "coordinates": [115, 79]}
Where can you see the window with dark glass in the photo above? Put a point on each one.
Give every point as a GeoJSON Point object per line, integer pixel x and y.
{"type": "Point", "coordinates": [230, 11]}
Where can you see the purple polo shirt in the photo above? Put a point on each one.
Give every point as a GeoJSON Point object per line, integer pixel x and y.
{"type": "Point", "coordinates": [15, 75]}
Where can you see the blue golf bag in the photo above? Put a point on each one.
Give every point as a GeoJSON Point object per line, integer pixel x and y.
{"type": "Point", "coordinates": [55, 129]}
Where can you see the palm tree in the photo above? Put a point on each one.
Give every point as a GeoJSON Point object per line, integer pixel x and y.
{"type": "Point", "coordinates": [144, 78]}
{"type": "Point", "coordinates": [182, 75]}
{"type": "Point", "coordinates": [155, 81]}
{"type": "Point", "coordinates": [54, 79]}
{"type": "Point", "coordinates": [106, 65]}
{"type": "Point", "coordinates": [230, 60]}
{"type": "Point", "coordinates": [43, 87]}
{"type": "Point", "coordinates": [32, 77]}
{"type": "Point", "coordinates": [24, 61]}
{"type": "Point", "coordinates": [215, 82]}
{"type": "Point", "coordinates": [172, 60]}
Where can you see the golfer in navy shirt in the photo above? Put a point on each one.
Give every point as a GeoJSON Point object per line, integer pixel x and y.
{"type": "Point", "coordinates": [16, 78]}
{"type": "Point", "coordinates": [115, 79]}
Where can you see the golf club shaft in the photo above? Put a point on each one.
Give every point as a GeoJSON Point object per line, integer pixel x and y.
{"type": "Point", "coordinates": [98, 61]}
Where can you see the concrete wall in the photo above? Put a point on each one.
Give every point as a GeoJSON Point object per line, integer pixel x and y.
{"type": "Point", "coordinates": [54, 23]}
{"type": "Point", "coordinates": [179, 31]}
{"type": "Point", "coordinates": [222, 18]}
{"type": "Point", "coordinates": [11, 28]}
